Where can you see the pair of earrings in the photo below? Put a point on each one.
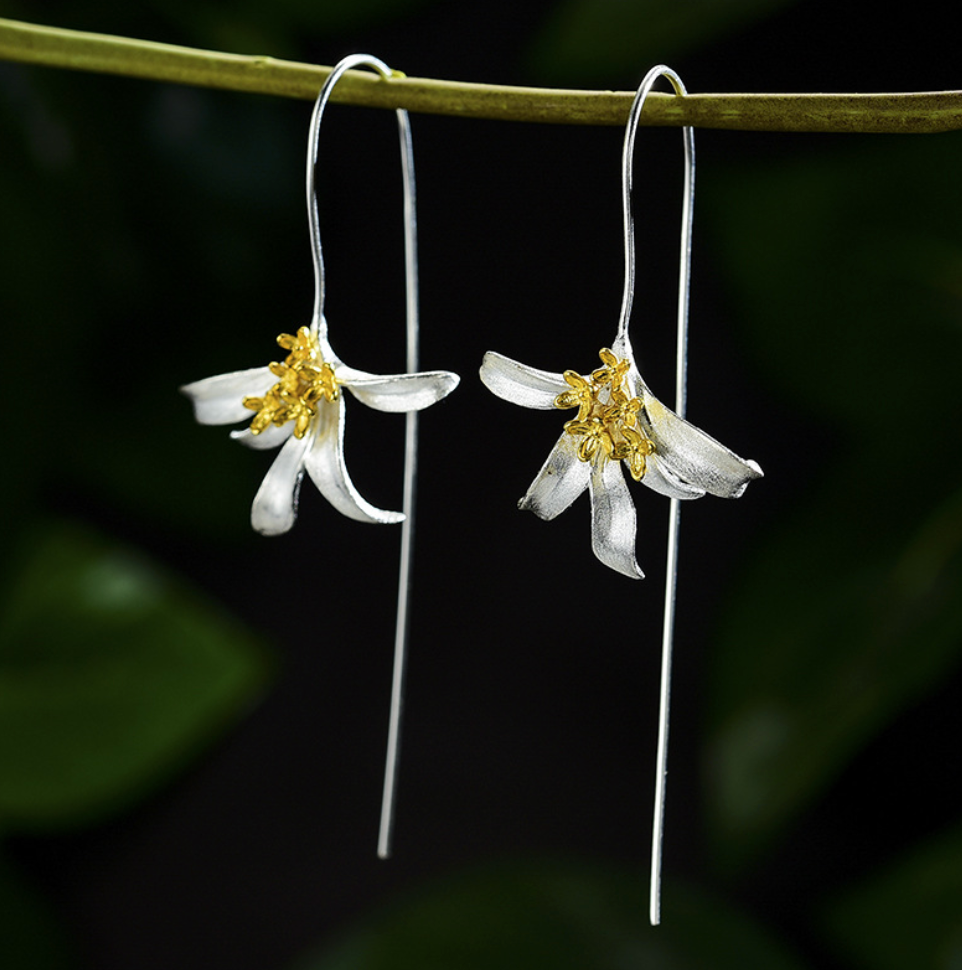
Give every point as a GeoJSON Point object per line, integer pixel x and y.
{"type": "Point", "coordinates": [298, 405]}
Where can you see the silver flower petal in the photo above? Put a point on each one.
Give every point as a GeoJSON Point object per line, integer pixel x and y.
{"type": "Point", "coordinates": [271, 437]}
{"type": "Point", "coordinates": [275, 505]}
{"type": "Point", "coordinates": [219, 400]}
{"type": "Point", "coordinates": [660, 478]}
{"type": "Point", "coordinates": [326, 466]}
{"type": "Point", "coordinates": [398, 392]}
{"type": "Point", "coordinates": [613, 520]}
{"type": "Point", "coordinates": [521, 384]}
{"type": "Point", "coordinates": [685, 455]}
{"type": "Point", "coordinates": [692, 456]}
{"type": "Point", "coordinates": [563, 477]}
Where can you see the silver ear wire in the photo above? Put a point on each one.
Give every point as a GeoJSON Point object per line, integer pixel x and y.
{"type": "Point", "coordinates": [351, 62]}
{"type": "Point", "coordinates": [681, 367]}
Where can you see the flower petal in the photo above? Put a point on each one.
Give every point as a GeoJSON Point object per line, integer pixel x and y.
{"type": "Point", "coordinates": [562, 478]}
{"type": "Point", "coordinates": [271, 437]}
{"type": "Point", "coordinates": [687, 459]}
{"type": "Point", "coordinates": [399, 392]}
{"type": "Point", "coordinates": [694, 457]}
{"type": "Point", "coordinates": [275, 505]}
{"type": "Point", "coordinates": [613, 522]}
{"type": "Point", "coordinates": [520, 384]}
{"type": "Point", "coordinates": [219, 400]}
{"type": "Point", "coordinates": [660, 478]}
{"type": "Point", "coordinates": [325, 464]}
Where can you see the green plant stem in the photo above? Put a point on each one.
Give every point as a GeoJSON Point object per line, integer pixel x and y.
{"type": "Point", "coordinates": [77, 50]}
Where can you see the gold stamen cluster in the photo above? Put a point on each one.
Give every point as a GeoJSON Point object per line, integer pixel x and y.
{"type": "Point", "coordinates": [607, 416]}
{"type": "Point", "coordinates": [304, 378]}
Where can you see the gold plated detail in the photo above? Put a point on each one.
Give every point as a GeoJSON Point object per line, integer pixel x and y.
{"type": "Point", "coordinates": [305, 378]}
{"type": "Point", "coordinates": [607, 419]}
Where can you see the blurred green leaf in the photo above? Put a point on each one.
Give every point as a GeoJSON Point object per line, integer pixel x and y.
{"type": "Point", "coordinates": [909, 915]}
{"type": "Point", "coordinates": [30, 936]}
{"type": "Point", "coordinates": [846, 267]}
{"type": "Point", "coordinates": [826, 643]}
{"type": "Point", "coordinates": [853, 609]}
{"type": "Point", "coordinates": [111, 676]}
{"type": "Point", "coordinates": [522, 915]}
{"type": "Point", "coordinates": [592, 41]}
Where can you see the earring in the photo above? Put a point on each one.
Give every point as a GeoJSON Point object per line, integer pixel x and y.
{"type": "Point", "coordinates": [298, 404]}
{"type": "Point", "coordinates": [620, 421]}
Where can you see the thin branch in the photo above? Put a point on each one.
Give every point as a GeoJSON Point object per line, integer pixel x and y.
{"type": "Point", "coordinates": [103, 53]}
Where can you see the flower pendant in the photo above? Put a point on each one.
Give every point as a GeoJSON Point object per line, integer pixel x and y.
{"type": "Point", "coordinates": [619, 421]}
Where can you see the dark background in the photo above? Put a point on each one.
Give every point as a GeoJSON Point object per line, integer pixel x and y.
{"type": "Point", "coordinates": [192, 748]}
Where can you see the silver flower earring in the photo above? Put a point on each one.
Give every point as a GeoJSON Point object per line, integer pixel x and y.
{"type": "Point", "coordinates": [619, 421]}
{"type": "Point", "coordinates": [298, 404]}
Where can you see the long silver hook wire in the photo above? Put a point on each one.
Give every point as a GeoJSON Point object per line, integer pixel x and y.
{"type": "Point", "coordinates": [681, 371]}
{"type": "Point", "coordinates": [319, 325]}
{"type": "Point", "coordinates": [410, 485]}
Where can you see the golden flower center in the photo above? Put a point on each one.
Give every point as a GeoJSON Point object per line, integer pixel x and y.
{"type": "Point", "coordinates": [607, 419]}
{"type": "Point", "coordinates": [304, 380]}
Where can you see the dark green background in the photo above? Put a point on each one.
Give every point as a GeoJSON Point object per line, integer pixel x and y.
{"type": "Point", "coordinates": [192, 717]}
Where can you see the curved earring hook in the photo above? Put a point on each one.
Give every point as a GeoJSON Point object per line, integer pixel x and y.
{"type": "Point", "coordinates": [681, 367]}
{"type": "Point", "coordinates": [688, 204]}
{"type": "Point", "coordinates": [319, 325]}
{"type": "Point", "coordinates": [352, 62]}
